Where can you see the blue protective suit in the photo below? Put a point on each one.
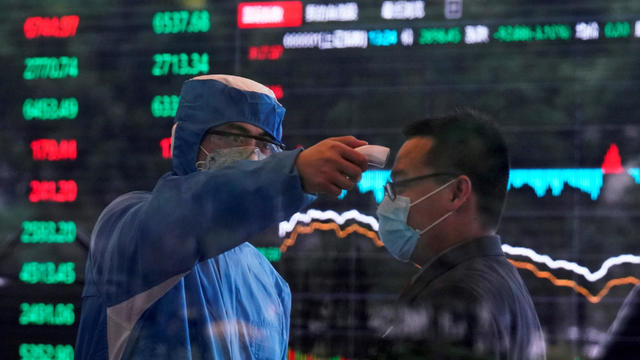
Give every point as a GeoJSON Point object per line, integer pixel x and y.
{"type": "Point", "coordinates": [169, 273]}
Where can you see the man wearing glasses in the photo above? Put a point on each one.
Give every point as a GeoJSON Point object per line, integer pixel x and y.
{"type": "Point", "coordinates": [170, 273]}
{"type": "Point", "coordinates": [441, 211]}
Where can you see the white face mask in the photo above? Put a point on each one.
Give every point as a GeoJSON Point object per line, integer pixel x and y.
{"type": "Point", "coordinates": [221, 157]}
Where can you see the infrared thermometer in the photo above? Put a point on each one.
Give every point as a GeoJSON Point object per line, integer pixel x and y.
{"type": "Point", "coordinates": [376, 155]}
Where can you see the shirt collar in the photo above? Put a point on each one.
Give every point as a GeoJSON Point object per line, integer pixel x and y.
{"type": "Point", "coordinates": [489, 245]}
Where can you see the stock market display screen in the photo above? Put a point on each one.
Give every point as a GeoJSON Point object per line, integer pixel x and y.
{"type": "Point", "coordinates": [90, 89]}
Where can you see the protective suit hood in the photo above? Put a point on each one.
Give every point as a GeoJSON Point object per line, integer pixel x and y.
{"type": "Point", "coordinates": [212, 100]}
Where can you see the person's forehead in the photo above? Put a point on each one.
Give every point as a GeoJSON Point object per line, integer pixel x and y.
{"type": "Point", "coordinates": [410, 159]}
{"type": "Point", "coordinates": [242, 128]}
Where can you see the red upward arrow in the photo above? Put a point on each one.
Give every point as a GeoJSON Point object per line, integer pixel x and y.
{"type": "Point", "coordinates": [612, 163]}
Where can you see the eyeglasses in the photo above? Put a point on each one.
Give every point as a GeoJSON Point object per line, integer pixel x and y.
{"type": "Point", "coordinates": [391, 188]}
{"type": "Point", "coordinates": [231, 139]}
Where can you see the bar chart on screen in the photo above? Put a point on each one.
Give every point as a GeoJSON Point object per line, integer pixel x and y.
{"type": "Point", "coordinates": [555, 180]}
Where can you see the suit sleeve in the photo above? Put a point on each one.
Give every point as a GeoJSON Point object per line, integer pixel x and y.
{"type": "Point", "coordinates": [142, 239]}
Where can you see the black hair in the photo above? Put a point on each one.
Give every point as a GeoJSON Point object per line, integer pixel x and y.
{"type": "Point", "coordinates": [469, 143]}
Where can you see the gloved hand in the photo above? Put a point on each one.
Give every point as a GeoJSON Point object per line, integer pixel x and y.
{"type": "Point", "coordinates": [331, 165]}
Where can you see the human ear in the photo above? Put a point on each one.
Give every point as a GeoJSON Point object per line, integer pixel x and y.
{"type": "Point", "coordinates": [461, 190]}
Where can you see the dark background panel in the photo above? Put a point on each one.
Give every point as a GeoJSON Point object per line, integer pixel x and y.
{"type": "Point", "coordinates": [561, 105]}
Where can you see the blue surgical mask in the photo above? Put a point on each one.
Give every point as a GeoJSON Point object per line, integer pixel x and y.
{"type": "Point", "coordinates": [398, 237]}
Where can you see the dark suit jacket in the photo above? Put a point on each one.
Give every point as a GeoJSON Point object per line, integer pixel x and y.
{"type": "Point", "coordinates": [623, 338]}
{"type": "Point", "coordinates": [468, 303]}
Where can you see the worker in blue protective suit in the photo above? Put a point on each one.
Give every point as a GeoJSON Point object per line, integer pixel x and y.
{"type": "Point", "coordinates": [169, 273]}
